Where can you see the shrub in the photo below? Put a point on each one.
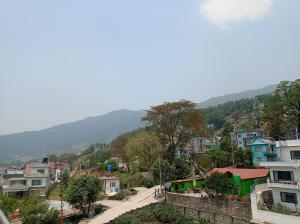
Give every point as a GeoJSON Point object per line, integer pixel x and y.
{"type": "Point", "coordinates": [147, 182]}
{"type": "Point", "coordinates": [120, 196]}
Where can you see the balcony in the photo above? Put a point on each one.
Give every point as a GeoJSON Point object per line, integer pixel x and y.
{"type": "Point", "coordinates": [280, 162]}
{"type": "Point", "coordinates": [284, 184]}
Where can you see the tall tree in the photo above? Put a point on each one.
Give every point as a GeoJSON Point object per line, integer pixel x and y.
{"type": "Point", "coordinates": [290, 93]}
{"type": "Point", "coordinates": [118, 149]}
{"type": "Point", "coordinates": [174, 123]}
{"type": "Point", "coordinates": [145, 148]}
{"type": "Point", "coordinates": [273, 116]}
{"type": "Point", "coordinates": [82, 191]}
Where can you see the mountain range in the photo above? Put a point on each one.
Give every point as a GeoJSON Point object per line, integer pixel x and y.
{"type": "Point", "coordinates": [75, 136]}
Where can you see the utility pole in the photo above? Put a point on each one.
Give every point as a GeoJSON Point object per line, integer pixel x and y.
{"type": "Point", "coordinates": [232, 154]}
{"type": "Point", "coordinates": [61, 201]}
{"type": "Point", "coordinates": [160, 181]}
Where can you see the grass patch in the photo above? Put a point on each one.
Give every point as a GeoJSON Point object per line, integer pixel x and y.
{"type": "Point", "coordinates": [55, 193]}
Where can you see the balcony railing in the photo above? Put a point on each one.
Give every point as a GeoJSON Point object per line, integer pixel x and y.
{"type": "Point", "coordinates": [3, 218]}
{"type": "Point", "coordinates": [284, 184]}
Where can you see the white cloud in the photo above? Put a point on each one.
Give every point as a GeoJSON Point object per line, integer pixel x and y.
{"type": "Point", "coordinates": [222, 12]}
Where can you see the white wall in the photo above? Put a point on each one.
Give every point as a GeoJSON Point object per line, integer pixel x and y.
{"type": "Point", "coordinates": [109, 189]}
{"type": "Point", "coordinates": [43, 179]}
{"type": "Point", "coordinates": [270, 217]}
{"type": "Point", "coordinates": [296, 172]}
{"type": "Point", "coordinates": [277, 198]}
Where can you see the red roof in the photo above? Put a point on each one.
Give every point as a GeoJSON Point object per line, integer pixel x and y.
{"type": "Point", "coordinates": [244, 173]}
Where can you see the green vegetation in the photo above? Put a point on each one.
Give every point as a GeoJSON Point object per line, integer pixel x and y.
{"type": "Point", "coordinates": [32, 209]}
{"type": "Point", "coordinates": [55, 193]}
{"type": "Point", "coordinates": [83, 192]}
{"type": "Point", "coordinates": [174, 124]}
{"type": "Point", "coordinates": [218, 182]}
{"type": "Point", "coordinates": [152, 214]}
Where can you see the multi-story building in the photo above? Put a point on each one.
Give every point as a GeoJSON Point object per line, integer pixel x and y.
{"type": "Point", "coordinates": [241, 138]}
{"type": "Point", "coordinates": [200, 145]}
{"type": "Point", "coordinates": [37, 178]}
{"type": "Point", "coordinates": [32, 180]}
{"type": "Point", "coordinates": [262, 149]}
{"type": "Point", "coordinates": [284, 178]}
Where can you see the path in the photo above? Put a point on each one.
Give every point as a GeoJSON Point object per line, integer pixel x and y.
{"type": "Point", "coordinates": [116, 208]}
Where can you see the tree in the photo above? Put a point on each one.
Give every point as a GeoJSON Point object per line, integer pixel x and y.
{"type": "Point", "coordinates": [182, 168]}
{"type": "Point", "coordinates": [145, 148]}
{"type": "Point", "coordinates": [215, 158]}
{"type": "Point", "coordinates": [273, 116]}
{"type": "Point", "coordinates": [82, 192]}
{"type": "Point", "coordinates": [290, 96]}
{"type": "Point", "coordinates": [167, 171]}
{"type": "Point", "coordinates": [118, 147]}
{"type": "Point", "coordinates": [32, 209]}
{"type": "Point", "coordinates": [218, 182]}
{"type": "Point", "coordinates": [174, 123]}
{"type": "Point", "coordinates": [65, 177]}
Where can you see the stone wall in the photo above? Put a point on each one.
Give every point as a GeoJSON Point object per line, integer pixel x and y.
{"type": "Point", "coordinates": [217, 210]}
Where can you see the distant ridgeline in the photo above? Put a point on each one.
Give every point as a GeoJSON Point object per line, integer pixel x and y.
{"type": "Point", "coordinates": [77, 136]}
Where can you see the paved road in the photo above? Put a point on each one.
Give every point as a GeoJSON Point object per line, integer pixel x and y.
{"type": "Point", "coordinates": [116, 208]}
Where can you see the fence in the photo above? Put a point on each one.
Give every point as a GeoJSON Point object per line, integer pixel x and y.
{"type": "Point", "coordinates": [211, 216]}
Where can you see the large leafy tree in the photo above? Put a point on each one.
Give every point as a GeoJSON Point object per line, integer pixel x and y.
{"type": "Point", "coordinates": [290, 94]}
{"type": "Point", "coordinates": [218, 182]}
{"type": "Point", "coordinates": [167, 171]}
{"type": "Point", "coordinates": [174, 123]}
{"type": "Point", "coordinates": [144, 148]}
{"type": "Point", "coordinates": [273, 116]}
{"type": "Point", "coordinates": [82, 192]}
{"type": "Point", "coordinates": [183, 168]}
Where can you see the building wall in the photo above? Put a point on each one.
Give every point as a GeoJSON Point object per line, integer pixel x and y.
{"type": "Point", "coordinates": [43, 179]}
{"type": "Point", "coordinates": [296, 172]}
{"type": "Point", "coordinates": [277, 198]}
{"type": "Point", "coordinates": [109, 189]}
{"type": "Point", "coordinates": [184, 186]}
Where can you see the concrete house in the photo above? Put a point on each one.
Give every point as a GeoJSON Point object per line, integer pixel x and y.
{"type": "Point", "coordinates": [262, 149]}
{"type": "Point", "coordinates": [285, 174]}
{"type": "Point", "coordinates": [37, 178]}
{"type": "Point", "coordinates": [110, 185]}
{"type": "Point", "coordinates": [241, 138]}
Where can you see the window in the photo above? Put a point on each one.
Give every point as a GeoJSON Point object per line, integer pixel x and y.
{"type": "Point", "coordinates": [36, 182]}
{"type": "Point", "coordinates": [295, 154]}
{"type": "Point", "coordinates": [112, 184]}
{"type": "Point", "coordinates": [41, 171]}
{"type": "Point", "coordinates": [283, 175]}
{"type": "Point", "coordinates": [259, 148]}
{"type": "Point", "coordinates": [288, 197]}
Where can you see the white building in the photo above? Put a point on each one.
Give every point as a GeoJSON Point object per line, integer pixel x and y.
{"type": "Point", "coordinates": [37, 178]}
{"type": "Point", "coordinates": [285, 174]}
{"type": "Point", "coordinates": [110, 185]}
{"type": "Point", "coordinates": [240, 138]}
{"type": "Point", "coordinates": [200, 145]}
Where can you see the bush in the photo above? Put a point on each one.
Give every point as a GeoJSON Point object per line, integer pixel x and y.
{"type": "Point", "coordinates": [147, 182]}
{"type": "Point", "coordinates": [120, 196]}
{"type": "Point", "coordinates": [156, 213]}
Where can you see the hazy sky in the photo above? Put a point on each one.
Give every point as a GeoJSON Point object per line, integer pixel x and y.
{"type": "Point", "coordinates": [61, 60]}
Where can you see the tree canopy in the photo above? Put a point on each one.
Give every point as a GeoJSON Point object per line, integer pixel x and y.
{"type": "Point", "coordinates": [82, 191]}
{"type": "Point", "coordinates": [174, 123]}
{"type": "Point", "coordinates": [144, 148]}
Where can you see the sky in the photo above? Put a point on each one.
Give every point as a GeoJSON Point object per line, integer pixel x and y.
{"type": "Point", "coordinates": [64, 60]}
